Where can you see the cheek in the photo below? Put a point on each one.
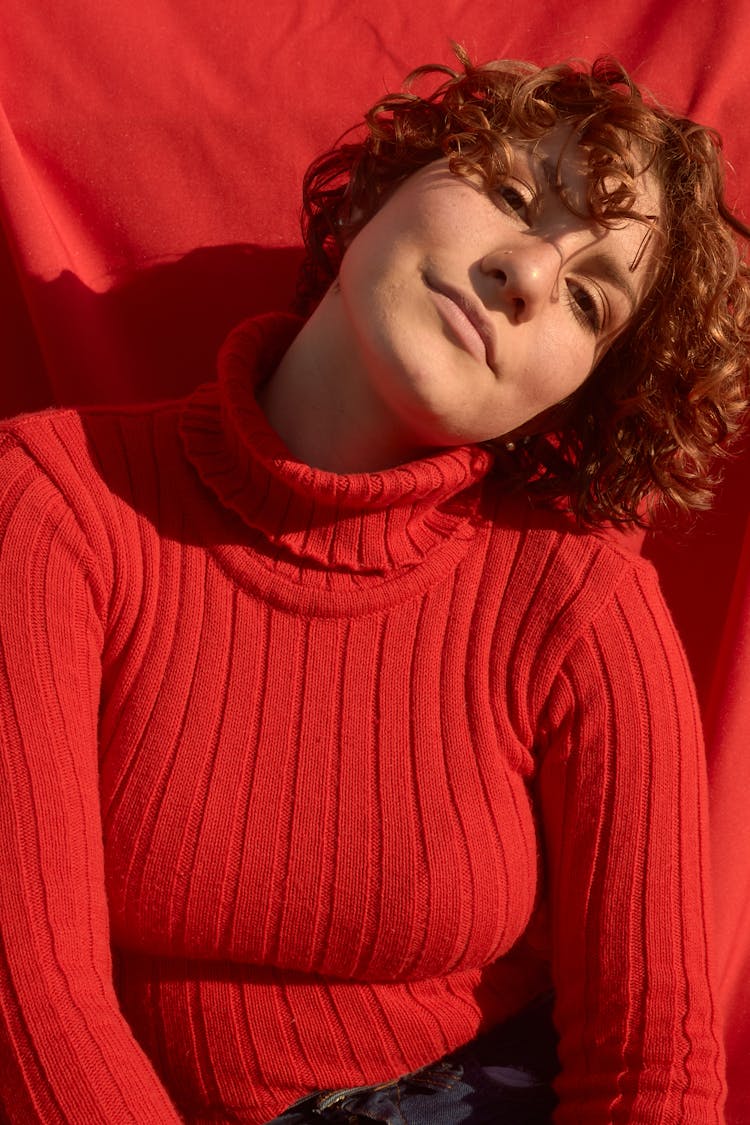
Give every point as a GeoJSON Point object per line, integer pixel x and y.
{"type": "Point", "coordinates": [563, 360]}
{"type": "Point", "coordinates": [372, 257]}
{"type": "Point", "coordinates": [569, 351]}
{"type": "Point", "coordinates": [360, 279]}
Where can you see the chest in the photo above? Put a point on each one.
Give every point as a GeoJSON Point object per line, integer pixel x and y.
{"type": "Point", "coordinates": [339, 794]}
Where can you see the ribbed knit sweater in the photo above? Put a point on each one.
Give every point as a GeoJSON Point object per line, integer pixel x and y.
{"type": "Point", "coordinates": [342, 769]}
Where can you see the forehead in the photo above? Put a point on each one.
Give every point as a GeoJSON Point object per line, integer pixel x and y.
{"type": "Point", "coordinates": [569, 166]}
{"type": "Point", "coordinates": [561, 170]}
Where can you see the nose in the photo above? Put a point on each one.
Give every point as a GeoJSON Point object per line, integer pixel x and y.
{"type": "Point", "coordinates": [526, 276]}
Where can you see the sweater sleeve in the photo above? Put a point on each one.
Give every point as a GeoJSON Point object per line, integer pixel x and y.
{"type": "Point", "coordinates": [623, 799]}
{"type": "Point", "coordinates": [67, 1054]}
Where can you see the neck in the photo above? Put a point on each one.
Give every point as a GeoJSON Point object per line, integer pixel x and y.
{"type": "Point", "coordinates": [322, 407]}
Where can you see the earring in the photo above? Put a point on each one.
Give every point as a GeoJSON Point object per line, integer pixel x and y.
{"type": "Point", "coordinates": [511, 446]}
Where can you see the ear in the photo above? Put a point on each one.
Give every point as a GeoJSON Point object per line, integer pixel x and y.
{"type": "Point", "coordinates": [348, 227]}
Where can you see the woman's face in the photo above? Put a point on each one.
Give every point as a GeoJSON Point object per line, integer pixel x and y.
{"type": "Point", "coordinates": [470, 311]}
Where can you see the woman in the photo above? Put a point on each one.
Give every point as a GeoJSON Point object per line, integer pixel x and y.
{"type": "Point", "coordinates": [337, 711]}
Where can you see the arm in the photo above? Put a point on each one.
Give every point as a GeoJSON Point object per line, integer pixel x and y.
{"type": "Point", "coordinates": [623, 798]}
{"type": "Point", "coordinates": [66, 1053]}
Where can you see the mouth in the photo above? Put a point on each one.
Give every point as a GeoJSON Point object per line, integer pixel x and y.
{"type": "Point", "coordinates": [465, 320]}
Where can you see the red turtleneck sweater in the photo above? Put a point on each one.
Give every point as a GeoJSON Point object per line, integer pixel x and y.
{"type": "Point", "coordinates": [310, 751]}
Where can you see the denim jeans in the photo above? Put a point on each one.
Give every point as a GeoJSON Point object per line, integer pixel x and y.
{"type": "Point", "coordinates": [502, 1078]}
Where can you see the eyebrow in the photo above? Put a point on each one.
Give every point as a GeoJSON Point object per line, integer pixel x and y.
{"type": "Point", "coordinates": [551, 170]}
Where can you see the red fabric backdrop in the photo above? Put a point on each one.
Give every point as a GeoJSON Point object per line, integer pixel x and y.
{"type": "Point", "coordinates": [150, 161]}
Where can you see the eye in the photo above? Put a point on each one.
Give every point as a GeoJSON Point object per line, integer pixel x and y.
{"type": "Point", "coordinates": [586, 305]}
{"type": "Point", "coordinates": [512, 197]}
{"type": "Point", "coordinates": [517, 198]}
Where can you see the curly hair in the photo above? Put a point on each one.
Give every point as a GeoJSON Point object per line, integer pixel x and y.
{"type": "Point", "coordinates": [645, 433]}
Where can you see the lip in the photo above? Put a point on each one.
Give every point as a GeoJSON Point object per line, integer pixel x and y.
{"type": "Point", "coordinates": [466, 310]}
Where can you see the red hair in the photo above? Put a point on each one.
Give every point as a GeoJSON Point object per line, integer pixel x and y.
{"type": "Point", "coordinates": [644, 431]}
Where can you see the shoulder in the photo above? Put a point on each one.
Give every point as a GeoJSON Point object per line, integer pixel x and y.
{"type": "Point", "coordinates": [563, 594]}
{"type": "Point", "coordinates": [564, 564]}
{"type": "Point", "coordinates": [89, 470]}
{"type": "Point", "coordinates": [91, 453]}
{"type": "Point", "coordinates": [58, 434]}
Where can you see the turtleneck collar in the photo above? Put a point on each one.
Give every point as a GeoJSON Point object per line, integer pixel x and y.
{"type": "Point", "coordinates": [358, 524]}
